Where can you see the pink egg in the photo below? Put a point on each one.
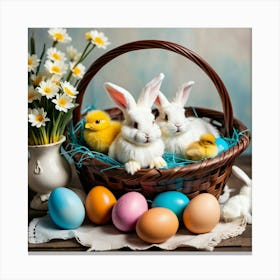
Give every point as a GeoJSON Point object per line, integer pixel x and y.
{"type": "Point", "coordinates": [127, 211]}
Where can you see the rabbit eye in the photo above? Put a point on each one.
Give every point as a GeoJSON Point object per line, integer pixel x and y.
{"type": "Point", "coordinates": [166, 117]}
{"type": "Point", "coordinates": [135, 125]}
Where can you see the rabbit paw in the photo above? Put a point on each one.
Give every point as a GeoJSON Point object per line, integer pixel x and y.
{"type": "Point", "coordinates": [132, 166]}
{"type": "Point", "coordinates": [158, 162]}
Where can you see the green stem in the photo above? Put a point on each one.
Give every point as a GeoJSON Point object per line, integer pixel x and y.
{"type": "Point", "coordinates": [81, 58]}
{"type": "Point", "coordinates": [31, 137]}
{"type": "Point", "coordinates": [55, 132]}
{"type": "Point", "coordinates": [32, 45]}
{"type": "Point", "coordinates": [54, 44]}
{"type": "Point", "coordinates": [41, 58]}
{"type": "Point", "coordinates": [76, 83]}
{"type": "Point", "coordinates": [85, 56]}
{"type": "Point", "coordinates": [44, 135]}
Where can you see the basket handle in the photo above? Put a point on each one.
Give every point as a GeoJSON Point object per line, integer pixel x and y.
{"type": "Point", "coordinates": [157, 44]}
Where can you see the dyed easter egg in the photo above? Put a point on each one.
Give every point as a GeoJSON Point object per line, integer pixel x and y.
{"type": "Point", "coordinates": [173, 200]}
{"type": "Point", "coordinates": [157, 225]}
{"type": "Point", "coordinates": [221, 144]}
{"type": "Point", "coordinates": [99, 204]}
{"type": "Point", "coordinates": [65, 208]}
{"type": "Point", "coordinates": [202, 213]}
{"type": "Point", "coordinates": [127, 211]}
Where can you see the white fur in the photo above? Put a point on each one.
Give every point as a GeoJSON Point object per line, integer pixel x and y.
{"type": "Point", "coordinates": [226, 194]}
{"type": "Point", "coordinates": [179, 131]}
{"type": "Point", "coordinates": [239, 205]}
{"type": "Point", "coordinates": [139, 144]}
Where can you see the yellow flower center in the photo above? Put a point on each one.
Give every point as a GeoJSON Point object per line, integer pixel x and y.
{"type": "Point", "coordinates": [58, 36]}
{"type": "Point", "coordinates": [76, 71]}
{"type": "Point", "coordinates": [68, 91]}
{"type": "Point", "coordinates": [29, 61]}
{"type": "Point", "coordinates": [99, 41]}
{"type": "Point", "coordinates": [62, 102]}
{"type": "Point", "coordinates": [47, 90]}
{"type": "Point", "coordinates": [37, 80]}
{"type": "Point", "coordinates": [55, 69]}
{"type": "Point", "coordinates": [39, 118]}
{"type": "Point", "coordinates": [88, 36]}
{"type": "Point", "coordinates": [56, 56]}
{"type": "Point", "coordinates": [31, 95]}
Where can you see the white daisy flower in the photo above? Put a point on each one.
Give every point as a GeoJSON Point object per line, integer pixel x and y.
{"type": "Point", "coordinates": [48, 89]}
{"type": "Point", "coordinates": [59, 35]}
{"type": "Point", "coordinates": [42, 76]}
{"type": "Point", "coordinates": [33, 62]}
{"type": "Point", "coordinates": [78, 71]}
{"type": "Point", "coordinates": [33, 94]}
{"type": "Point", "coordinates": [55, 55]}
{"type": "Point", "coordinates": [37, 117]}
{"type": "Point", "coordinates": [69, 89]}
{"type": "Point", "coordinates": [98, 39]}
{"type": "Point", "coordinates": [55, 79]}
{"type": "Point", "coordinates": [56, 67]}
{"type": "Point", "coordinates": [73, 53]}
{"type": "Point", "coordinates": [63, 102]}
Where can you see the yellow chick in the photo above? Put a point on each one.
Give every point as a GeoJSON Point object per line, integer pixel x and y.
{"type": "Point", "coordinates": [100, 131]}
{"type": "Point", "coordinates": [204, 148]}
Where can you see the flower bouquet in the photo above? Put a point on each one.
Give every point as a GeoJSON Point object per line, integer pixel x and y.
{"type": "Point", "coordinates": [53, 77]}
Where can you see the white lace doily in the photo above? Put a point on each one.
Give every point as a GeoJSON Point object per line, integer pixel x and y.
{"type": "Point", "coordinates": [103, 238]}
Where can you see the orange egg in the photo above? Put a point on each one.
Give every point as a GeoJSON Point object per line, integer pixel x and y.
{"type": "Point", "coordinates": [157, 225]}
{"type": "Point", "coordinates": [99, 203]}
{"type": "Point", "coordinates": [202, 213]}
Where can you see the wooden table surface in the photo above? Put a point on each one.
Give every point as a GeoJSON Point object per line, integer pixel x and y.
{"type": "Point", "coordinates": [242, 243]}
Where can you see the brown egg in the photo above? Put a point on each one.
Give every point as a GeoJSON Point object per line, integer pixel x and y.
{"type": "Point", "coordinates": [157, 225]}
{"type": "Point", "coordinates": [202, 213]}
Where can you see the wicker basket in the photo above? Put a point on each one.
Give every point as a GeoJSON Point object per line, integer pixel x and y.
{"type": "Point", "coordinates": [209, 175]}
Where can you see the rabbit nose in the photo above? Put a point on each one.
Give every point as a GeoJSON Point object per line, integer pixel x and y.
{"type": "Point", "coordinates": [178, 127]}
{"type": "Point", "coordinates": [147, 137]}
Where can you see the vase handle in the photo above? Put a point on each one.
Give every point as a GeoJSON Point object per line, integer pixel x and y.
{"type": "Point", "coordinates": [38, 168]}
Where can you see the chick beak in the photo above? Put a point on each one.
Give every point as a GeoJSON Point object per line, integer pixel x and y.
{"type": "Point", "coordinates": [88, 125]}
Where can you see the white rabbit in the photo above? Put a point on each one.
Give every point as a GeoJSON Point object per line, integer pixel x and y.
{"type": "Point", "coordinates": [240, 204]}
{"type": "Point", "coordinates": [139, 144]}
{"type": "Point", "coordinates": [178, 131]}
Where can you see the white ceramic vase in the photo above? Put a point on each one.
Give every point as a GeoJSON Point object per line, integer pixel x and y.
{"type": "Point", "coordinates": [47, 170]}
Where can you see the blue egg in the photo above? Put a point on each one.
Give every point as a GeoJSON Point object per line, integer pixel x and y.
{"type": "Point", "coordinates": [66, 208]}
{"type": "Point", "coordinates": [221, 144]}
{"type": "Point", "coordinates": [173, 200]}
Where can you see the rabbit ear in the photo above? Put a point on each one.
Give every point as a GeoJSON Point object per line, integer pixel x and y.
{"type": "Point", "coordinates": [150, 91]}
{"type": "Point", "coordinates": [240, 174]}
{"type": "Point", "coordinates": [161, 100]}
{"type": "Point", "coordinates": [183, 93]}
{"type": "Point", "coordinates": [120, 96]}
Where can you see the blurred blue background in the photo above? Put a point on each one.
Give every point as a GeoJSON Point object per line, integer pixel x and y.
{"type": "Point", "coordinates": [227, 50]}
